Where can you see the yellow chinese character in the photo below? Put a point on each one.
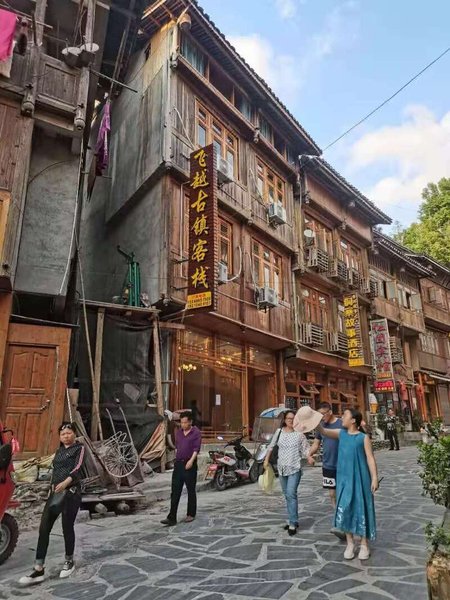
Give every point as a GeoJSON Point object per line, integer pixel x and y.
{"type": "Point", "coordinates": [200, 225]}
{"type": "Point", "coordinates": [200, 203]}
{"type": "Point", "coordinates": [348, 301]}
{"type": "Point", "coordinates": [200, 157]}
{"type": "Point", "coordinates": [199, 277]}
{"type": "Point", "coordinates": [199, 250]}
{"type": "Point", "coordinates": [199, 180]}
{"type": "Point", "coordinates": [353, 353]}
{"type": "Point", "coordinates": [350, 322]}
{"type": "Point", "coordinates": [353, 343]}
{"type": "Point", "coordinates": [351, 333]}
{"type": "Point", "coordinates": [349, 312]}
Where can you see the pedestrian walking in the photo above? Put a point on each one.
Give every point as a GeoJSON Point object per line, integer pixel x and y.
{"type": "Point", "coordinates": [391, 428]}
{"type": "Point", "coordinates": [330, 456]}
{"type": "Point", "coordinates": [292, 446]}
{"type": "Point", "coordinates": [64, 500]}
{"type": "Point", "coordinates": [357, 482]}
{"type": "Point", "coordinates": [188, 441]}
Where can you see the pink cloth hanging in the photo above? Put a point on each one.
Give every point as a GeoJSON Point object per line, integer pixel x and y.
{"type": "Point", "coordinates": [7, 30]}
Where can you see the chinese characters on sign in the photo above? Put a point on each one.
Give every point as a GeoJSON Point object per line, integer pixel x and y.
{"type": "Point", "coordinates": [384, 374]}
{"type": "Point", "coordinates": [202, 231]}
{"type": "Point", "coordinates": [353, 331]}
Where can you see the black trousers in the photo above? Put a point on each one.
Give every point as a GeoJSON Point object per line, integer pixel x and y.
{"type": "Point", "coordinates": [68, 511]}
{"type": "Point", "coordinates": [180, 477]}
{"type": "Point", "coordinates": [393, 437]}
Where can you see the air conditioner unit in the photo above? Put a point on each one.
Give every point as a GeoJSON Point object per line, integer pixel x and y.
{"type": "Point", "coordinates": [318, 260]}
{"type": "Point", "coordinates": [276, 213]}
{"type": "Point", "coordinates": [224, 171]}
{"type": "Point", "coordinates": [311, 334]}
{"type": "Point", "coordinates": [338, 270]}
{"type": "Point", "coordinates": [354, 279]}
{"type": "Point", "coordinates": [396, 350]}
{"type": "Point", "coordinates": [337, 342]}
{"type": "Point", "coordinates": [267, 297]}
{"type": "Point", "coordinates": [223, 273]}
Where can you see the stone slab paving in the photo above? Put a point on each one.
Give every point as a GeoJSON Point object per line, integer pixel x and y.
{"type": "Point", "coordinates": [237, 549]}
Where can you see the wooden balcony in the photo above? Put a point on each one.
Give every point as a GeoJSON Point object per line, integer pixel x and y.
{"type": "Point", "coordinates": [433, 362]}
{"type": "Point", "coordinates": [408, 318]}
{"type": "Point", "coordinates": [49, 85]}
{"type": "Point", "coordinates": [436, 314]}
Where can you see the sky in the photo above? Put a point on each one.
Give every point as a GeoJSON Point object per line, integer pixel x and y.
{"type": "Point", "coordinates": [332, 61]}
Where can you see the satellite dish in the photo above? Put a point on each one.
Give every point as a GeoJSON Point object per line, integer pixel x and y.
{"type": "Point", "coordinates": [308, 233]}
{"type": "Point", "coordinates": [71, 55]}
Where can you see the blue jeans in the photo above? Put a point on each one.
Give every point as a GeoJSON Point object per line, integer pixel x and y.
{"type": "Point", "coordinates": [289, 485]}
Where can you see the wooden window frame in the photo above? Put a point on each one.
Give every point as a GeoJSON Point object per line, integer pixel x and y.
{"type": "Point", "coordinates": [216, 133]}
{"type": "Point", "coordinates": [313, 310]}
{"type": "Point", "coordinates": [266, 179]}
{"type": "Point", "coordinates": [226, 238]}
{"type": "Point", "coordinates": [351, 255]}
{"type": "Point", "coordinates": [266, 262]}
{"type": "Point", "coordinates": [323, 235]}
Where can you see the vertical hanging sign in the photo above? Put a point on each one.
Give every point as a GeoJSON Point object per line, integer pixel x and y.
{"type": "Point", "coordinates": [203, 219]}
{"type": "Point", "coordinates": [353, 331]}
{"type": "Point", "coordinates": [384, 373]}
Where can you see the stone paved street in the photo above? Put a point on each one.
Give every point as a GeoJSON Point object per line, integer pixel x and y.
{"type": "Point", "coordinates": [237, 550]}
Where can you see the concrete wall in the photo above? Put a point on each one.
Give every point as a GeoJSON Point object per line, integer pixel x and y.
{"type": "Point", "coordinates": [48, 218]}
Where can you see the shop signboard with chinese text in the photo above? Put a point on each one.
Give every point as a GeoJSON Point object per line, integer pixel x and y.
{"type": "Point", "coordinates": [353, 331]}
{"type": "Point", "coordinates": [384, 372]}
{"type": "Point", "coordinates": [202, 280]}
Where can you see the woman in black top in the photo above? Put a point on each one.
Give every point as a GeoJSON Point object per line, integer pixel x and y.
{"type": "Point", "coordinates": [64, 499]}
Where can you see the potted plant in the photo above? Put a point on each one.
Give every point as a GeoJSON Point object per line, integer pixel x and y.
{"type": "Point", "coordinates": [435, 460]}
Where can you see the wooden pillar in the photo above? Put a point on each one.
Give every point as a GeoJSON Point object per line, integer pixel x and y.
{"type": "Point", "coordinates": [95, 420]}
{"type": "Point", "coordinates": [5, 313]}
{"type": "Point", "coordinates": [158, 383]}
{"type": "Point", "coordinates": [29, 99]}
{"type": "Point", "coordinates": [281, 385]}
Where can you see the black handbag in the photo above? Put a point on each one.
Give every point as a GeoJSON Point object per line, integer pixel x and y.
{"type": "Point", "coordinates": [56, 501]}
{"type": "Point", "coordinates": [274, 456]}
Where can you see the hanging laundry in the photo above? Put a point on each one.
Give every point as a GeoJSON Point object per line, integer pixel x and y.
{"type": "Point", "coordinates": [102, 145]}
{"type": "Point", "coordinates": [7, 30]}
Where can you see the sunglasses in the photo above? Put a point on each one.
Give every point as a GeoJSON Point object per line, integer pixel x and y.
{"type": "Point", "coordinates": [67, 426]}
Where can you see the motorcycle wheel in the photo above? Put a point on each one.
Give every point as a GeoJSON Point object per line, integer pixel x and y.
{"type": "Point", "coordinates": [220, 482]}
{"type": "Point", "coordinates": [9, 534]}
{"type": "Point", "coordinates": [254, 473]}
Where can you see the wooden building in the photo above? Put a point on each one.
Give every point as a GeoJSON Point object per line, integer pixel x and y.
{"type": "Point", "coordinates": [46, 104]}
{"type": "Point", "coordinates": [398, 275]}
{"type": "Point", "coordinates": [333, 236]}
{"type": "Point", "coordinates": [432, 370]}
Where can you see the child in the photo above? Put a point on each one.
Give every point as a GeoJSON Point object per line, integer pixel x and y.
{"type": "Point", "coordinates": [357, 481]}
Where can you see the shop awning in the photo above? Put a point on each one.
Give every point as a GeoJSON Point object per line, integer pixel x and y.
{"type": "Point", "coordinates": [309, 388]}
{"type": "Point", "coordinates": [436, 376]}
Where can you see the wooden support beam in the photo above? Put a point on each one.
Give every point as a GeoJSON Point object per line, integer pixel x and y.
{"type": "Point", "coordinates": [158, 383]}
{"type": "Point", "coordinates": [96, 426]}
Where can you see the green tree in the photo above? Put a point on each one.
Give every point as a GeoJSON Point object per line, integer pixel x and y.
{"type": "Point", "coordinates": [431, 233]}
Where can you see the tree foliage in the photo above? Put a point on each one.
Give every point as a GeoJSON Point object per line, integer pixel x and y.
{"type": "Point", "coordinates": [431, 233]}
{"type": "Point", "coordinates": [435, 460]}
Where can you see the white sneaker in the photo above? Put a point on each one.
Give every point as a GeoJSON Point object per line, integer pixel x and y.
{"type": "Point", "coordinates": [67, 569]}
{"type": "Point", "coordinates": [349, 552]}
{"type": "Point", "coordinates": [364, 552]}
{"type": "Point", "coordinates": [34, 577]}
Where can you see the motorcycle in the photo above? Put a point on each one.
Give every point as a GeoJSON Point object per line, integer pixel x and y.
{"type": "Point", "coordinates": [227, 469]}
{"type": "Point", "coordinates": [9, 530]}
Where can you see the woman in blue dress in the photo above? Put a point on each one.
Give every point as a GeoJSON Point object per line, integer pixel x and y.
{"type": "Point", "coordinates": [356, 483]}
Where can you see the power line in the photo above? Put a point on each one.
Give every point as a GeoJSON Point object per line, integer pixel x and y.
{"type": "Point", "coordinates": [387, 100]}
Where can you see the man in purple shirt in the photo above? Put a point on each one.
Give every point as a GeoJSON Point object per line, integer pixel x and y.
{"type": "Point", "coordinates": [188, 440]}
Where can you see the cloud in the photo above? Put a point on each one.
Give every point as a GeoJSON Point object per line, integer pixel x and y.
{"type": "Point", "coordinates": [276, 68]}
{"type": "Point", "coordinates": [414, 153]}
{"type": "Point", "coordinates": [287, 8]}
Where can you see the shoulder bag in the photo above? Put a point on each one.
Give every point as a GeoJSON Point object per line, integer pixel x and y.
{"type": "Point", "coordinates": [274, 456]}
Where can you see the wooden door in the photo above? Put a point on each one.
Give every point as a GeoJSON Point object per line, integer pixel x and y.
{"type": "Point", "coordinates": [34, 381]}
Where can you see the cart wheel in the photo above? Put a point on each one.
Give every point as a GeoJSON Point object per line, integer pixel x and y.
{"type": "Point", "coordinates": [9, 534]}
{"type": "Point", "coordinates": [220, 482]}
{"type": "Point", "coordinates": [254, 473]}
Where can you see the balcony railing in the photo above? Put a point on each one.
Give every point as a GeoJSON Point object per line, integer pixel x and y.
{"type": "Point", "coordinates": [433, 362]}
{"type": "Point", "coordinates": [311, 334]}
{"type": "Point", "coordinates": [397, 314]}
{"type": "Point", "coordinates": [436, 313]}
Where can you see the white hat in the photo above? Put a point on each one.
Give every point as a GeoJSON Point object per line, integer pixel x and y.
{"type": "Point", "coordinates": [307, 419]}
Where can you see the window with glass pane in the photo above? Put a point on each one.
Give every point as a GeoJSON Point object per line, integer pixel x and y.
{"type": "Point", "coordinates": [265, 128]}
{"type": "Point", "coordinates": [315, 307]}
{"type": "Point", "coordinates": [270, 186]}
{"type": "Point", "coordinates": [225, 245]}
{"type": "Point", "coordinates": [193, 55]}
{"type": "Point", "coordinates": [267, 268]}
{"type": "Point", "coordinates": [212, 131]}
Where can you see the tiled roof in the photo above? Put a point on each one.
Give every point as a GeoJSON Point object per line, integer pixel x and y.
{"type": "Point", "coordinates": [400, 252]}
{"type": "Point", "coordinates": [378, 216]}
